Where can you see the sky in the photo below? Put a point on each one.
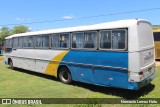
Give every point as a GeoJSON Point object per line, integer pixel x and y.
{"type": "Point", "coordinates": [29, 11]}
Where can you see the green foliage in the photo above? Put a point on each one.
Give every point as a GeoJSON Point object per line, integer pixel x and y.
{"type": "Point", "coordinates": [19, 29]}
{"type": "Point", "coordinates": [5, 31]}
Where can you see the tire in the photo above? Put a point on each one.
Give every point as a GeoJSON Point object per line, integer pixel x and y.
{"type": "Point", "coordinates": [65, 75]}
{"type": "Point", "coordinates": [11, 65]}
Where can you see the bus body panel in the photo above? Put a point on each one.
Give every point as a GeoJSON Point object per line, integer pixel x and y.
{"type": "Point", "coordinates": [105, 68]}
{"type": "Point", "coordinates": [35, 59]}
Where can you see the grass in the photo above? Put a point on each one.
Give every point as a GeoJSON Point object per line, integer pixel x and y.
{"type": "Point", "coordinates": [20, 83]}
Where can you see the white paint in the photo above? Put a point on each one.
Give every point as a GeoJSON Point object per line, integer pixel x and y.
{"type": "Point", "coordinates": [32, 59]}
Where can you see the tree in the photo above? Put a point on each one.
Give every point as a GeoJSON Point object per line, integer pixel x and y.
{"type": "Point", "coordinates": [20, 29]}
{"type": "Point", "coordinates": [4, 32]}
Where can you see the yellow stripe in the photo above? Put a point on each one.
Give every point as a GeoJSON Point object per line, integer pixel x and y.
{"type": "Point", "coordinates": [53, 65]}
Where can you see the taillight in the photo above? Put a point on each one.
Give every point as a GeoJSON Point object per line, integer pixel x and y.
{"type": "Point", "coordinates": [131, 80]}
{"type": "Point", "coordinates": [140, 73]}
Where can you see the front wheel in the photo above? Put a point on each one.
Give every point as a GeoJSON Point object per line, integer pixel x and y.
{"type": "Point", "coordinates": [11, 64]}
{"type": "Point", "coordinates": [65, 75]}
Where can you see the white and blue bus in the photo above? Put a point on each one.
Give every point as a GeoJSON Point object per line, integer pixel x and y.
{"type": "Point", "coordinates": [114, 54]}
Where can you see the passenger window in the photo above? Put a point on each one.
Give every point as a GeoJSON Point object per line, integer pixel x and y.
{"type": "Point", "coordinates": [105, 39]}
{"type": "Point", "coordinates": [77, 40]}
{"type": "Point", "coordinates": [118, 39]}
{"type": "Point", "coordinates": [64, 41]}
{"type": "Point", "coordinates": [45, 40]}
{"type": "Point", "coordinates": [25, 41]}
{"type": "Point", "coordinates": [60, 40]}
{"type": "Point", "coordinates": [15, 42]}
{"type": "Point", "coordinates": [55, 41]}
{"type": "Point", "coordinates": [31, 41]}
{"type": "Point", "coordinates": [20, 42]}
{"type": "Point", "coordinates": [90, 40]}
{"type": "Point", "coordinates": [84, 40]}
{"type": "Point", "coordinates": [38, 41]}
{"type": "Point", "coordinates": [8, 43]}
{"type": "Point", "coordinates": [42, 41]}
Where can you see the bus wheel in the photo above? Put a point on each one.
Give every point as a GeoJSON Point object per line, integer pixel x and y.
{"type": "Point", "coordinates": [65, 75]}
{"type": "Point", "coordinates": [11, 64]}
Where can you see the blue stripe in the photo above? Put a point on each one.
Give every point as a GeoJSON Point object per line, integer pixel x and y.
{"type": "Point", "coordinates": [98, 75]}
{"type": "Point", "coordinates": [114, 59]}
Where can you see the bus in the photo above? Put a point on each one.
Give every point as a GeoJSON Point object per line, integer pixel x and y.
{"type": "Point", "coordinates": [156, 34]}
{"type": "Point", "coordinates": [116, 54]}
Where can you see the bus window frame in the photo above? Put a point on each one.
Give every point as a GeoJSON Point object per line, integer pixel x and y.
{"type": "Point", "coordinates": [59, 48]}
{"type": "Point", "coordinates": [83, 39]}
{"type": "Point", "coordinates": [28, 41]}
{"type": "Point", "coordinates": [35, 43]}
{"type": "Point", "coordinates": [19, 42]}
{"type": "Point", "coordinates": [13, 43]}
{"type": "Point", "coordinates": [126, 40]}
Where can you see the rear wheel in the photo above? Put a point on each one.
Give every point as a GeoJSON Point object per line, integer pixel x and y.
{"type": "Point", "coordinates": [65, 75]}
{"type": "Point", "coordinates": [11, 64]}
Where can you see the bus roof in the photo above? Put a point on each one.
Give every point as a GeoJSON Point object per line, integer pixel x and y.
{"type": "Point", "coordinates": [108, 25]}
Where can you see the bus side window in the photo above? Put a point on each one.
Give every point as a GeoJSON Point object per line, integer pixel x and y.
{"type": "Point", "coordinates": [8, 45]}
{"type": "Point", "coordinates": [90, 40]}
{"type": "Point", "coordinates": [31, 41]}
{"type": "Point", "coordinates": [45, 41]}
{"type": "Point", "coordinates": [105, 39]}
{"type": "Point", "coordinates": [118, 39]}
{"type": "Point", "coordinates": [115, 39]}
{"type": "Point", "coordinates": [55, 41]}
{"type": "Point", "coordinates": [25, 41]}
{"type": "Point", "coordinates": [15, 42]}
{"type": "Point", "coordinates": [20, 40]}
{"type": "Point", "coordinates": [64, 40]}
{"type": "Point", "coordinates": [42, 41]}
{"type": "Point", "coordinates": [77, 40]}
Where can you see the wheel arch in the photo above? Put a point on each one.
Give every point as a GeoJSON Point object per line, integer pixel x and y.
{"type": "Point", "coordinates": [9, 60]}
{"type": "Point", "coordinates": [63, 65]}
